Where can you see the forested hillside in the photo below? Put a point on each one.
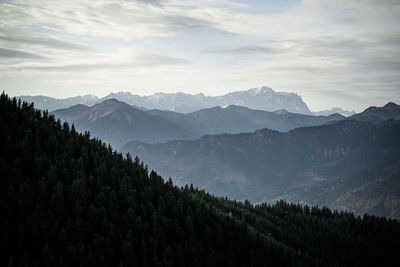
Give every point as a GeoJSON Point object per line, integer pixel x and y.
{"type": "Point", "coordinates": [69, 200]}
{"type": "Point", "coordinates": [348, 165]}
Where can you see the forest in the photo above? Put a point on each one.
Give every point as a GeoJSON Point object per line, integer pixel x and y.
{"type": "Point", "coordinates": [71, 200]}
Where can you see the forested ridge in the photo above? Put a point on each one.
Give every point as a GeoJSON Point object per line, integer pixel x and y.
{"type": "Point", "coordinates": [348, 165]}
{"type": "Point", "coordinates": [67, 199]}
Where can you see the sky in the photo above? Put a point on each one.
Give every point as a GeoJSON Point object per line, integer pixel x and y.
{"type": "Point", "coordinates": [333, 53]}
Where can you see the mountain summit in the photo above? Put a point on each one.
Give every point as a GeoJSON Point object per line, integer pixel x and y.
{"type": "Point", "coordinates": [260, 91]}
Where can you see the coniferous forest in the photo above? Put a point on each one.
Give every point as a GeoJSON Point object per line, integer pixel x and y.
{"type": "Point", "coordinates": [70, 200]}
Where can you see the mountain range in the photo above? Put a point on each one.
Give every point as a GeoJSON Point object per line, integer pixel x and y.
{"type": "Point", "coordinates": [234, 157]}
{"type": "Point", "coordinates": [350, 165]}
{"type": "Point", "coordinates": [117, 122]}
{"type": "Point", "coordinates": [263, 98]}
{"type": "Point", "coordinates": [334, 110]}
{"type": "Point", "coordinates": [69, 200]}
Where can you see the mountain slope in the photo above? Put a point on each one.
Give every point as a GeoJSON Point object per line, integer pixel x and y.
{"type": "Point", "coordinates": [116, 122]}
{"type": "Point", "coordinates": [321, 165]}
{"type": "Point", "coordinates": [68, 200]}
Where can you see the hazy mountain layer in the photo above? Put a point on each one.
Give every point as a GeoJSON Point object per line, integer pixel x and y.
{"type": "Point", "coordinates": [348, 165]}
{"type": "Point", "coordinates": [116, 122]}
{"type": "Point", "coordinates": [334, 110]}
{"type": "Point", "coordinates": [237, 119]}
{"type": "Point", "coordinates": [49, 103]}
{"type": "Point", "coordinates": [232, 119]}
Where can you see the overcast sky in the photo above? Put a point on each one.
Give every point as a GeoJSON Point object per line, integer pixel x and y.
{"type": "Point", "coordinates": [333, 53]}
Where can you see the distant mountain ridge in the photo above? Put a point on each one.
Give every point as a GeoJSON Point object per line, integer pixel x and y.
{"type": "Point", "coordinates": [49, 103]}
{"type": "Point", "coordinates": [216, 120]}
{"type": "Point", "coordinates": [263, 98]}
{"type": "Point", "coordinates": [129, 121]}
{"type": "Point", "coordinates": [238, 119]}
{"type": "Point", "coordinates": [334, 110]}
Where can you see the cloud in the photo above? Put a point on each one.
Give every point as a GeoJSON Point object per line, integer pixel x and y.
{"type": "Point", "coordinates": [207, 3]}
{"type": "Point", "coordinates": [154, 2]}
{"type": "Point", "coordinates": [125, 20]}
{"type": "Point", "coordinates": [180, 24]}
{"type": "Point", "coordinates": [142, 18]}
{"type": "Point", "coordinates": [141, 61]}
{"type": "Point", "coordinates": [248, 49]}
{"type": "Point", "coordinates": [43, 41]}
{"type": "Point", "coordinates": [10, 53]}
